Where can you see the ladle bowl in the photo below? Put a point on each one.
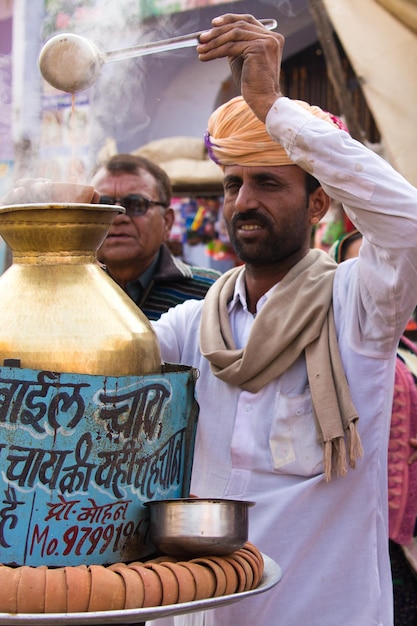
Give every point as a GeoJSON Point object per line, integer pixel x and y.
{"type": "Point", "coordinates": [72, 63]}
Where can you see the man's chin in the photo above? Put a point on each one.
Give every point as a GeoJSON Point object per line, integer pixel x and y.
{"type": "Point", "coordinates": [111, 257]}
{"type": "Point", "coordinates": [250, 255]}
{"type": "Point", "coordinates": [118, 248]}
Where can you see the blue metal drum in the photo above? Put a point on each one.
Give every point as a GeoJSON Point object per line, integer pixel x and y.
{"type": "Point", "coordinates": [79, 456]}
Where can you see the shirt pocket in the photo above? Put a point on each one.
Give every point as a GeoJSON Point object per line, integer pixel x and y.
{"type": "Point", "coordinates": [293, 437]}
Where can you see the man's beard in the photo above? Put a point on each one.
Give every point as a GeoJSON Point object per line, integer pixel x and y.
{"type": "Point", "coordinates": [272, 248]}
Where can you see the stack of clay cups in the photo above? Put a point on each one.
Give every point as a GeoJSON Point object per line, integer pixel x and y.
{"type": "Point", "coordinates": [157, 582]}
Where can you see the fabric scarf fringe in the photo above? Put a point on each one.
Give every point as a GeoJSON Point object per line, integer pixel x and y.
{"type": "Point", "coordinates": [336, 458]}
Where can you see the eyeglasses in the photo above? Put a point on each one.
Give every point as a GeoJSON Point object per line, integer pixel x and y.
{"type": "Point", "coordinates": [134, 204]}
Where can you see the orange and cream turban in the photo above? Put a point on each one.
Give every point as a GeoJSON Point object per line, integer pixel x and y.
{"type": "Point", "coordinates": [235, 136]}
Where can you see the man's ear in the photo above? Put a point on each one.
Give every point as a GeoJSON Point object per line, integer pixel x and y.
{"type": "Point", "coordinates": [169, 218]}
{"type": "Point", "coordinates": [318, 205]}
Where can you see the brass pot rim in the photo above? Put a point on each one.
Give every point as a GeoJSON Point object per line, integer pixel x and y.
{"type": "Point", "coordinates": [61, 205]}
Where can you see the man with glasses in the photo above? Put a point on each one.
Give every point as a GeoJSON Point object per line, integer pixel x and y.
{"type": "Point", "coordinates": [134, 252]}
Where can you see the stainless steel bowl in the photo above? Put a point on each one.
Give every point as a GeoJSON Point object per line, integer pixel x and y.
{"type": "Point", "coordinates": [198, 526]}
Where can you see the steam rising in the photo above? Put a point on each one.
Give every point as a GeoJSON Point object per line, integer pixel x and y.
{"type": "Point", "coordinates": [120, 111]}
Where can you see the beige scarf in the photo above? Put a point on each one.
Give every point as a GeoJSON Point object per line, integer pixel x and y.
{"type": "Point", "coordinates": [297, 317]}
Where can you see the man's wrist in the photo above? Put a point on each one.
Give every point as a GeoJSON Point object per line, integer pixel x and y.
{"type": "Point", "coordinates": [262, 108]}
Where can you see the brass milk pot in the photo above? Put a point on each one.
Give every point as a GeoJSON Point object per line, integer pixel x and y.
{"type": "Point", "coordinates": [59, 311]}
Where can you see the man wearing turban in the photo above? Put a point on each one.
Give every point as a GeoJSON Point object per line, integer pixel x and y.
{"type": "Point", "coordinates": [296, 354]}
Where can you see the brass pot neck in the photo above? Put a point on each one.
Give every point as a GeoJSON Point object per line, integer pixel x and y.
{"type": "Point", "coordinates": [53, 258]}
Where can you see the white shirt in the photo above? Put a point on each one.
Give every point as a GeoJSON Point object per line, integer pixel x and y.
{"type": "Point", "coordinates": [330, 539]}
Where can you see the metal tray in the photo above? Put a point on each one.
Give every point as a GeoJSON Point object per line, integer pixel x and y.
{"type": "Point", "coordinates": [272, 575]}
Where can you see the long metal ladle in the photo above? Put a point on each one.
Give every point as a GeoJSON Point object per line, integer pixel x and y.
{"type": "Point", "coordinates": [71, 63]}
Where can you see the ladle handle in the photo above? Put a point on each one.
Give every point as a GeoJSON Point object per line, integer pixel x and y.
{"type": "Point", "coordinates": [173, 43]}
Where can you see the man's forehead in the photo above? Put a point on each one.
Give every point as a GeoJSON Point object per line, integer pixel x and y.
{"type": "Point", "coordinates": [281, 172]}
{"type": "Point", "coordinates": [135, 177]}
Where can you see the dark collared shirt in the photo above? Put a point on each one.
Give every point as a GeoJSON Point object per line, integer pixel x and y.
{"type": "Point", "coordinates": [168, 281]}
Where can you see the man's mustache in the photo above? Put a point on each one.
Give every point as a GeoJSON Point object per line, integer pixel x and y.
{"type": "Point", "coordinates": [250, 215]}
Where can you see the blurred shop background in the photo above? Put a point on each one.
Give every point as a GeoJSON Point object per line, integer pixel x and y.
{"type": "Point", "coordinates": [159, 104]}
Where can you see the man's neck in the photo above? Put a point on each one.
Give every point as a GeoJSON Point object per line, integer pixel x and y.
{"type": "Point", "coordinates": [123, 275]}
{"type": "Point", "coordinates": [260, 279]}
